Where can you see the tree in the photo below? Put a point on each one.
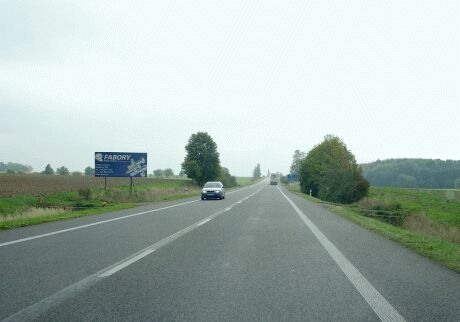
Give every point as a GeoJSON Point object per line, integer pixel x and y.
{"type": "Point", "coordinates": [63, 171]}
{"type": "Point", "coordinates": [48, 170]}
{"type": "Point", "coordinates": [201, 163]}
{"type": "Point", "coordinates": [89, 171]}
{"type": "Point", "coordinates": [227, 179]}
{"type": "Point", "coordinates": [331, 173]}
{"type": "Point", "coordinates": [158, 173]}
{"type": "Point", "coordinates": [256, 174]}
{"type": "Point", "coordinates": [182, 173]}
{"type": "Point", "coordinates": [168, 173]}
{"type": "Point", "coordinates": [296, 161]}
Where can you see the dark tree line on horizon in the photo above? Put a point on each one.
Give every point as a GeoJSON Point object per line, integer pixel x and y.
{"type": "Point", "coordinates": [412, 173]}
{"type": "Point", "coordinates": [16, 167]}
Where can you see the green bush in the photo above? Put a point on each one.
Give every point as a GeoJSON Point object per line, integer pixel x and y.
{"type": "Point", "coordinates": [331, 173]}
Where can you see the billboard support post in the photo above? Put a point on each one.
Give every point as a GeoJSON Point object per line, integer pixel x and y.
{"type": "Point", "coordinates": [132, 188]}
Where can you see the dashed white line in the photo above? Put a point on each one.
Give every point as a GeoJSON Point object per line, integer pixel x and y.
{"type": "Point", "coordinates": [35, 310]}
{"type": "Point", "coordinates": [103, 221]}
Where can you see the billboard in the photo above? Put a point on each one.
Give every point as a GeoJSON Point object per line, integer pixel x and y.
{"type": "Point", "coordinates": [120, 164]}
{"type": "Point", "coordinates": [292, 177]}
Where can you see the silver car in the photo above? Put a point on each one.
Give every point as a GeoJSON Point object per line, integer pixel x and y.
{"type": "Point", "coordinates": [213, 190]}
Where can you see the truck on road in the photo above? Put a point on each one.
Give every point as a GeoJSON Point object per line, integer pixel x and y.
{"type": "Point", "coordinates": [274, 179]}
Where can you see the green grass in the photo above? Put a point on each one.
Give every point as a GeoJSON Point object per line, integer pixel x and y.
{"type": "Point", "coordinates": [434, 248]}
{"type": "Point", "coordinates": [16, 204]}
{"type": "Point", "coordinates": [440, 205]}
{"type": "Point", "coordinates": [22, 222]}
{"type": "Point", "coordinates": [18, 211]}
{"type": "Point", "coordinates": [244, 181]}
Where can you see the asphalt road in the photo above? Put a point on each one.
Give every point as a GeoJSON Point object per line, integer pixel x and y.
{"type": "Point", "coordinates": [262, 254]}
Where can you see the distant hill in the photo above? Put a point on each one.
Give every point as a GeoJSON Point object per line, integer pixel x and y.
{"type": "Point", "coordinates": [412, 173]}
{"type": "Point", "coordinates": [16, 167]}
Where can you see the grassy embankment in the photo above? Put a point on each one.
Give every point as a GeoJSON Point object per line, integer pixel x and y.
{"type": "Point", "coordinates": [33, 199]}
{"type": "Point", "coordinates": [426, 221]}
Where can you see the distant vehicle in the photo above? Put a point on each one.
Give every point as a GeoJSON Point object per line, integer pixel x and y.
{"type": "Point", "coordinates": [274, 179]}
{"type": "Point", "coordinates": [213, 190]}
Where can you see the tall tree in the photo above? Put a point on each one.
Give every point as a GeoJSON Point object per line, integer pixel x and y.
{"type": "Point", "coordinates": [48, 170]}
{"type": "Point", "coordinates": [158, 173]}
{"type": "Point", "coordinates": [202, 162]}
{"type": "Point", "coordinates": [331, 173]}
{"type": "Point", "coordinates": [168, 172]}
{"type": "Point", "coordinates": [89, 171]}
{"type": "Point", "coordinates": [296, 161]}
{"type": "Point", "coordinates": [62, 171]}
{"type": "Point", "coordinates": [256, 174]}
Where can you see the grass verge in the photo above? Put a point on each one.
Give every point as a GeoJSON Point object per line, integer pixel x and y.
{"type": "Point", "coordinates": [16, 221]}
{"type": "Point", "coordinates": [19, 211]}
{"type": "Point", "coordinates": [433, 247]}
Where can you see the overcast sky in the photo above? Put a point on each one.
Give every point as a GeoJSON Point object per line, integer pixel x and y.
{"type": "Point", "coordinates": [263, 78]}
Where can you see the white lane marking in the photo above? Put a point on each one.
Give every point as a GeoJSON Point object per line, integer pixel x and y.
{"type": "Point", "coordinates": [36, 310]}
{"type": "Point", "coordinates": [384, 310]}
{"type": "Point", "coordinates": [92, 224]}
{"type": "Point", "coordinates": [204, 222]}
{"type": "Point", "coordinates": [127, 263]}
{"type": "Point", "coordinates": [105, 221]}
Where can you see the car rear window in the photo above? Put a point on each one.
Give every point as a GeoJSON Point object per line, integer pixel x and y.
{"type": "Point", "coordinates": [212, 185]}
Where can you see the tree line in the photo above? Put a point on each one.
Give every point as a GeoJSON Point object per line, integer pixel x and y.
{"type": "Point", "coordinates": [12, 167]}
{"type": "Point", "coordinates": [201, 164]}
{"type": "Point", "coordinates": [413, 173]}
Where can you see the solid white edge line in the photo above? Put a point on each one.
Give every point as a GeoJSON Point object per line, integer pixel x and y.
{"type": "Point", "coordinates": [384, 310]}
{"type": "Point", "coordinates": [35, 310]}
{"type": "Point", "coordinates": [107, 221]}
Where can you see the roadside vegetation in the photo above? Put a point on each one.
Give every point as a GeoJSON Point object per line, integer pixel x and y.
{"type": "Point", "coordinates": [329, 172]}
{"type": "Point", "coordinates": [424, 220]}
{"type": "Point", "coordinates": [33, 199]}
{"type": "Point", "coordinates": [413, 173]}
{"type": "Point", "coordinates": [50, 195]}
{"type": "Point", "coordinates": [202, 163]}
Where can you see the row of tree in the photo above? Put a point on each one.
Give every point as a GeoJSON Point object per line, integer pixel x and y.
{"type": "Point", "coordinates": [329, 171]}
{"type": "Point", "coordinates": [413, 173]}
{"type": "Point", "coordinates": [166, 173]}
{"type": "Point", "coordinates": [12, 167]}
{"type": "Point", "coordinates": [64, 171]}
{"type": "Point", "coordinates": [201, 164]}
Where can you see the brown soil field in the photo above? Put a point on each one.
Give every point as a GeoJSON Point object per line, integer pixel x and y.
{"type": "Point", "coordinates": [37, 184]}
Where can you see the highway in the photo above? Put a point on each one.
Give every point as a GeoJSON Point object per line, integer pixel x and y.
{"type": "Point", "coordinates": [262, 254]}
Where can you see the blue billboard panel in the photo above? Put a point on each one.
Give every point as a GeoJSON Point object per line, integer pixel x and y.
{"type": "Point", "coordinates": [120, 164]}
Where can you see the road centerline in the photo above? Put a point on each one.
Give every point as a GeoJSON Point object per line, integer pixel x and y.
{"type": "Point", "coordinates": [21, 240]}
{"type": "Point", "coordinates": [35, 310]}
{"type": "Point", "coordinates": [384, 310]}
